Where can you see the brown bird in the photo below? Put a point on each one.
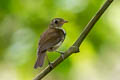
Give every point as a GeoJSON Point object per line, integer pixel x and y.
{"type": "Point", "coordinates": [50, 40]}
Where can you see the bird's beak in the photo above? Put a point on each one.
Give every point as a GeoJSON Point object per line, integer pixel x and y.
{"type": "Point", "coordinates": [64, 22]}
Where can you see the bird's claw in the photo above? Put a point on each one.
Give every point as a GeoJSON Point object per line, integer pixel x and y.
{"type": "Point", "coordinates": [62, 54]}
{"type": "Point", "coordinates": [50, 64]}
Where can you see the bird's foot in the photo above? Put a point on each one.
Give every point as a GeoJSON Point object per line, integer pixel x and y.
{"type": "Point", "coordinates": [50, 64]}
{"type": "Point", "coordinates": [62, 54]}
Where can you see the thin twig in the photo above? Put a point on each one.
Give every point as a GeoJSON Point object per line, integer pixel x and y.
{"type": "Point", "coordinates": [75, 47]}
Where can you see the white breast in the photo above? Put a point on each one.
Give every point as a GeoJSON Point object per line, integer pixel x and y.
{"type": "Point", "coordinates": [57, 45]}
{"type": "Point", "coordinates": [62, 30]}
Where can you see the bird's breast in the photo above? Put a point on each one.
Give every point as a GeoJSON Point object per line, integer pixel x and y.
{"type": "Point", "coordinates": [63, 34]}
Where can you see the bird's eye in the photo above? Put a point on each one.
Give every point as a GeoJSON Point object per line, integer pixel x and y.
{"type": "Point", "coordinates": [56, 22]}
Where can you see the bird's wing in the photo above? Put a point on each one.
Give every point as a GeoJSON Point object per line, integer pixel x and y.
{"type": "Point", "coordinates": [49, 39]}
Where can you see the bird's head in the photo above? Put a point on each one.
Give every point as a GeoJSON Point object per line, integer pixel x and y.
{"type": "Point", "coordinates": [57, 22]}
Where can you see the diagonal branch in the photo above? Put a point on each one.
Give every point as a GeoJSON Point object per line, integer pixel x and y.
{"type": "Point", "coordinates": [75, 47]}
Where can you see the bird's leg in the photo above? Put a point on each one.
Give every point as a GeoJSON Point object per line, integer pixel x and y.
{"type": "Point", "coordinates": [49, 63]}
{"type": "Point", "coordinates": [62, 54]}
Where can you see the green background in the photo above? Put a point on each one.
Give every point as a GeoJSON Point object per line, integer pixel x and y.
{"type": "Point", "coordinates": [22, 22]}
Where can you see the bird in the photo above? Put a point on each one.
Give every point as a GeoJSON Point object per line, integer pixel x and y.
{"type": "Point", "coordinates": [50, 41]}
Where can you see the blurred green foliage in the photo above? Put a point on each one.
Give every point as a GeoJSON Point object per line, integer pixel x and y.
{"type": "Point", "coordinates": [22, 22]}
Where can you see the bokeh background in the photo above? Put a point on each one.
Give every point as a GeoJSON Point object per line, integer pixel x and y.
{"type": "Point", "coordinates": [22, 22]}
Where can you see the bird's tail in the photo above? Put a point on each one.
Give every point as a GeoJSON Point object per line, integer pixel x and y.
{"type": "Point", "coordinates": [40, 60]}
